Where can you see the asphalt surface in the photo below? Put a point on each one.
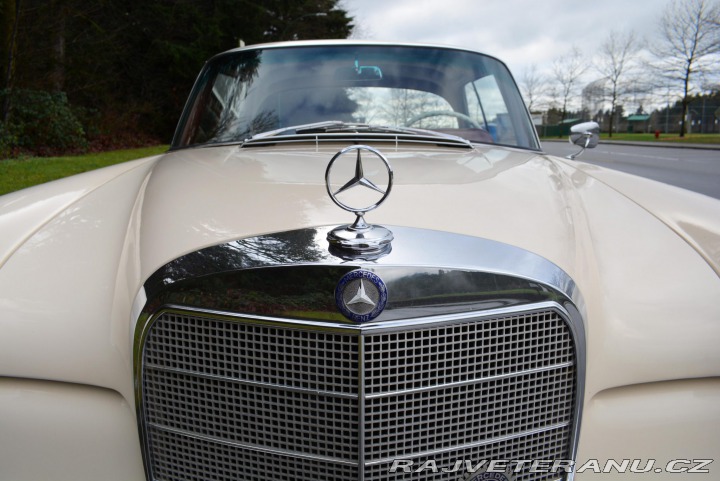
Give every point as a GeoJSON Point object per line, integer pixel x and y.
{"type": "Point", "coordinates": [693, 167]}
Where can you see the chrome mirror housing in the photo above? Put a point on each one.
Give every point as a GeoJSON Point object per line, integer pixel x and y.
{"type": "Point", "coordinates": [586, 135]}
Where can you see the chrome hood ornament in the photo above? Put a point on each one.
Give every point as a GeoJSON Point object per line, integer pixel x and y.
{"type": "Point", "coordinates": [359, 240]}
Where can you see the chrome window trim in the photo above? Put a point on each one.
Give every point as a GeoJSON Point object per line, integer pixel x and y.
{"type": "Point", "coordinates": [414, 250]}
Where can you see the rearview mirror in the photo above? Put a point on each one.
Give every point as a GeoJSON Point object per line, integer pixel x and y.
{"type": "Point", "coordinates": [586, 135]}
{"type": "Point", "coordinates": [359, 74]}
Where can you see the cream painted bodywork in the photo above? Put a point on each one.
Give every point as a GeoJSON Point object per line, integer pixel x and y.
{"type": "Point", "coordinates": [644, 256]}
{"type": "Point", "coordinates": [58, 431]}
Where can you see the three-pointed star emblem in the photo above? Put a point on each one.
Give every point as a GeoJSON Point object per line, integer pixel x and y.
{"type": "Point", "coordinates": [359, 238]}
{"type": "Point", "coordinates": [359, 179]}
{"type": "Point", "coordinates": [361, 297]}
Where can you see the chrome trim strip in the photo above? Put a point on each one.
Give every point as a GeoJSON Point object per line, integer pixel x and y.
{"type": "Point", "coordinates": [357, 329]}
{"type": "Point", "coordinates": [355, 137]}
{"type": "Point", "coordinates": [252, 383]}
{"type": "Point", "coordinates": [469, 381]}
{"type": "Point", "coordinates": [252, 447]}
{"type": "Point", "coordinates": [351, 42]}
{"type": "Point", "coordinates": [469, 445]}
{"type": "Point", "coordinates": [361, 408]}
{"type": "Point", "coordinates": [412, 247]}
{"type": "Point", "coordinates": [421, 137]}
{"type": "Point", "coordinates": [577, 327]}
{"type": "Point", "coordinates": [319, 139]}
{"type": "Point", "coordinates": [459, 318]}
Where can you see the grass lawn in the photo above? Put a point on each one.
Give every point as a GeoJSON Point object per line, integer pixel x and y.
{"type": "Point", "coordinates": [688, 139]}
{"type": "Point", "coordinates": [16, 174]}
{"type": "Point", "coordinates": [672, 138]}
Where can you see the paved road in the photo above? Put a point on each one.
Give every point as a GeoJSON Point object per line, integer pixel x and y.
{"type": "Point", "coordinates": [697, 170]}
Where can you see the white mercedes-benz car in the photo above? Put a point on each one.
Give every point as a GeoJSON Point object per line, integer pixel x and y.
{"type": "Point", "coordinates": [356, 263]}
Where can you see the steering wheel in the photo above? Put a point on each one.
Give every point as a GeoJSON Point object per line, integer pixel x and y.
{"type": "Point", "coordinates": [449, 113]}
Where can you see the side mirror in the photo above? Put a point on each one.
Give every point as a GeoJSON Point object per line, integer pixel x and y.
{"type": "Point", "coordinates": [586, 135]}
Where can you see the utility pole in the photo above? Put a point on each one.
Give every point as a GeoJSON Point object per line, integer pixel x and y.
{"type": "Point", "coordinates": [667, 110]}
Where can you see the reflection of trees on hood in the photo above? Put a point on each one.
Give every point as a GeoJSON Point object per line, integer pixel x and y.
{"type": "Point", "coordinates": [274, 249]}
{"type": "Point", "coordinates": [223, 277]}
{"type": "Point", "coordinates": [443, 286]}
{"type": "Point", "coordinates": [284, 248]}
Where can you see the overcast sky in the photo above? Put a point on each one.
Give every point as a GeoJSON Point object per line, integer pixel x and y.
{"type": "Point", "coordinates": [519, 32]}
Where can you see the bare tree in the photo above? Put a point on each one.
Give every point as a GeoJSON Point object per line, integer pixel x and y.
{"type": "Point", "coordinates": [593, 98]}
{"type": "Point", "coordinates": [615, 63]}
{"type": "Point", "coordinates": [533, 84]}
{"type": "Point", "coordinates": [567, 72]}
{"type": "Point", "coordinates": [688, 44]}
{"type": "Point", "coordinates": [403, 106]}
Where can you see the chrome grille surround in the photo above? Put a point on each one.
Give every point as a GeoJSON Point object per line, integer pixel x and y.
{"type": "Point", "coordinates": [224, 394]}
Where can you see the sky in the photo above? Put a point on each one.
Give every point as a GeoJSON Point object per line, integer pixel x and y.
{"type": "Point", "coordinates": [519, 32]}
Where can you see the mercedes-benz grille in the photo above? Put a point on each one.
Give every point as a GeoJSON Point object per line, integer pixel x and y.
{"type": "Point", "coordinates": [235, 398]}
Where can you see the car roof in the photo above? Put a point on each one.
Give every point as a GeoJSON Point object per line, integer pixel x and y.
{"type": "Point", "coordinates": [343, 42]}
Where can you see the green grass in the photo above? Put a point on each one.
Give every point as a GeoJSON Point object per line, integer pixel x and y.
{"type": "Point", "coordinates": [688, 139]}
{"type": "Point", "coordinates": [670, 138]}
{"type": "Point", "coordinates": [16, 174]}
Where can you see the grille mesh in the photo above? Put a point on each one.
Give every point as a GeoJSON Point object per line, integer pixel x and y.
{"type": "Point", "coordinates": [305, 359]}
{"type": "Point", "coordinates": [234, 400]}
{"type": "Point", "coordinates": [398, 426]}
{"type": "Point", "coordinates": [254, 415]}
{"type": "Point", "coordinates": [548, 445]}
{"type": "Point", "coordinates": [427, 357]}
{"type": "Point", "coordinates": [180, 458]}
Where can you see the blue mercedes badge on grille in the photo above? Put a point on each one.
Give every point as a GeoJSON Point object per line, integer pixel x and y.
{"type": "Point", "coordinates": [361, 295]}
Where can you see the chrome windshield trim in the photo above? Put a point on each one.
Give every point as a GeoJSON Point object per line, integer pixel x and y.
{"type": "Point", "coordinates": [351, 43]}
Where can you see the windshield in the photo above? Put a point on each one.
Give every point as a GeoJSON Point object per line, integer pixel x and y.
{"type": "Point", "coordinates": [244, 93]}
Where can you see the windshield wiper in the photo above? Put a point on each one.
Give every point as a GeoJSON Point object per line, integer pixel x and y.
{"type": "Point", "coordinates": [297, 129]}
{"type": "Point", "coordinates": [340, 127]}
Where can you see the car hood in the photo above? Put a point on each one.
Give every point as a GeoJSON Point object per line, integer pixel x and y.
{"type": "Point", "coordinates": [203, 197]}
{"type": "Point", "coordinates": [646, 290]}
